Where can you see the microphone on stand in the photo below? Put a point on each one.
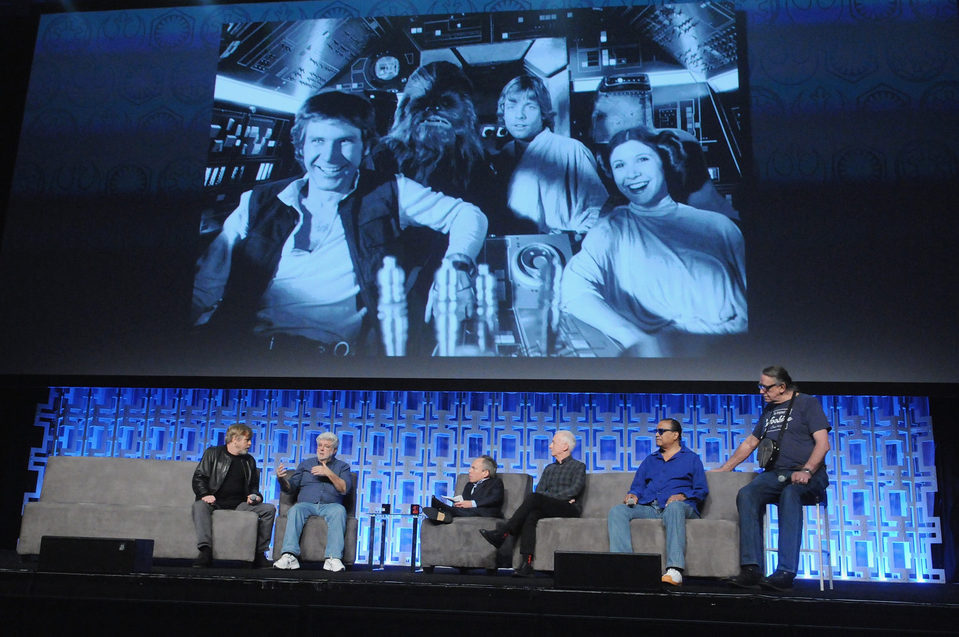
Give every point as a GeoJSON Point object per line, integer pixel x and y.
{"type": "Point", "coordinates": [391, 309]}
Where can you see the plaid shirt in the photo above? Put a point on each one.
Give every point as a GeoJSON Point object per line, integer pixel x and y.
{"type": "Point", "coordinates": [563, 480]}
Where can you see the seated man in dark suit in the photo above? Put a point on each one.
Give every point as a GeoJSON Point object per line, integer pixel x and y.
{"type": "Point", "coordinates": [482, 496]}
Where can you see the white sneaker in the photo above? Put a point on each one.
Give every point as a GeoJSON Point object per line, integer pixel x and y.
{"type": "Point", "coordinates": [673, 577]}
{"type": "Point", "coordinates": [287, 562]}
{"type": "Point", "coordinates": [333, 564]}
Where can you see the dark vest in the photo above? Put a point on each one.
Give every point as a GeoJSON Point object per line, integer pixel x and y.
{"type": "Point", "coordinates": [370, 218]}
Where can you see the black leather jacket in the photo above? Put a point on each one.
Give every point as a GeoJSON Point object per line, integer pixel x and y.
{"type": "Point", "coordinates": [213, 467]}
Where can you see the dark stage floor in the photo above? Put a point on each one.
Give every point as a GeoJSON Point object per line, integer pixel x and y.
{"type": "Point", "coordinates": [174, 598]}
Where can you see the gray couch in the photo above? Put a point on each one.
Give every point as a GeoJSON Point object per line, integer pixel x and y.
{"type": "Point", "coordinates": [712, 542]}
{"type": "Point", "coordinates": [459, 544]}
{"type": "Point", "coordinates": [313, 536]}
{"type": "Point", "coordinates": [130, 498]}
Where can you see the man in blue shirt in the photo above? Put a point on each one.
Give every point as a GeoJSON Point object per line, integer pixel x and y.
{"type": "Point", "coordinates": [320, 484]}
{"type": "Point", "coordinates": [670, 484]}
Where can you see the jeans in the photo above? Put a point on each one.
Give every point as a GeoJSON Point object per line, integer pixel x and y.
{"type": "Point", "coordinates": [674, 517]}
{"type": "Point", "coordinates": [299, 513]}
{"type": "Point", "coordinates": [751, 502]}
{"type": "Point", "coordinates": [203, 522]}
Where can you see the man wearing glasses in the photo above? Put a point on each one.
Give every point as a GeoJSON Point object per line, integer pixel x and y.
{"type": "Point", "coordinates": [670, 484]}
{"type": "Point", "coordinates": [320, 484]}
{"type": "Point", "coordinates": [799, 426]}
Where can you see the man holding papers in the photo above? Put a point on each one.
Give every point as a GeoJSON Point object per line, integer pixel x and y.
{"type": "Point", "coordinates": [482, 496]}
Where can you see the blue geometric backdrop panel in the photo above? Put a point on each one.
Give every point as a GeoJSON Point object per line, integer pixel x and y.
{"type": "Point", "coordinates": [406, 446]}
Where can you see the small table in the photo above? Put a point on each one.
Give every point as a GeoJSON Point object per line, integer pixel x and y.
{"type": "Point", "coordinates": [392, 518]}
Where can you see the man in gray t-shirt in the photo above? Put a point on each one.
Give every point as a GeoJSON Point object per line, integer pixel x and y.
{"type": "Point", "coordinates": [799, 471]}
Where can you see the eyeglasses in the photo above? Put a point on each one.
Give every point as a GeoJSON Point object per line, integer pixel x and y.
{"type": "Point", "coordinates": [767, 387]}
{"type": "Point", "coordinates": [662, 431]}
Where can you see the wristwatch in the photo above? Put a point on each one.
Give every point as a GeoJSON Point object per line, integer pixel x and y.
{"type": "Point", "coordinates": [462, 262]}
{"type": "Point", "coordinates": [809, 471]}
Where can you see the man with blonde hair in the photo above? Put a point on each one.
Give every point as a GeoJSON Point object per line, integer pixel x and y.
{"type": "Point", "coordinates": [227, 478]}
{"type": "Point", "coordinates": [556, 496]}
{"type": "Point", "coordinates": [551, 183]}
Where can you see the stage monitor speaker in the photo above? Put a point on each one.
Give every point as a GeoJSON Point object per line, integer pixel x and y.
{"type": "Point", "coordinates": [94, 555]}
{"type": "Point", "coordinates": [607, 571]}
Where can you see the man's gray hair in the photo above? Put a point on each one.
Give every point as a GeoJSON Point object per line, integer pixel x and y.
{"type": "Point", "coordinates": [489, 464]}
{"type": "Point", "coordinates": [329, 435]}
{"type": "Point", "coordinates": [568, 436]}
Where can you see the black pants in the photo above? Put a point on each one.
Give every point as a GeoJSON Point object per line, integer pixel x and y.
{"type": "Point", "coordinates": [535, 506]}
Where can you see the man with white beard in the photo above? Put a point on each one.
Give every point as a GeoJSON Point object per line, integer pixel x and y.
{"type": "Point", "coordinates": [320, 484]}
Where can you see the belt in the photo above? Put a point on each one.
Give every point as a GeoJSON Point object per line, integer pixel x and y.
{"type": "Point", "coordinates": [286, 343]}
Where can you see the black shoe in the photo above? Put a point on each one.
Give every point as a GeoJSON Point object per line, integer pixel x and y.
{"type": "Point", "coordinates": [496, 537]}
{"type": "Point", "coordinates": [204, 558]}
{"type": "Point", "coordinates": [525, 570]}
{"type": "Point", "coordinates": [442, 507]}
{"type": "Point", "coordinates": [749, 577]}
{"type": "Point", "coordinates": [438, 516]}
{"type": "Point", "coordinates": [778, 581]}
{"type": "Point", "coordinates": [261, 561]}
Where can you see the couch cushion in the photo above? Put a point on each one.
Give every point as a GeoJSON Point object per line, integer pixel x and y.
{"type": "Point", "coordinates": [108, 481]}
{"type": "Point", "coordinates": [313, 539]}
{"type": "Point", "coordinates": [603, 491]}
{"type": "Point", "coordinates": [723, 486]}
{"type": "Point", "coordinates": [458, 544]}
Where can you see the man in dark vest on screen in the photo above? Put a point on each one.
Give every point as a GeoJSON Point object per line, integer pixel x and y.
{"type": "Point", "coordinates": [296, 263]}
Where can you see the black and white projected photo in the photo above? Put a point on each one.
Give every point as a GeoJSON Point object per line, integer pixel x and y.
{"type": "Point", "coordinates": [352, 192]}
{"type": "Point", "coordinates": [514, 184]}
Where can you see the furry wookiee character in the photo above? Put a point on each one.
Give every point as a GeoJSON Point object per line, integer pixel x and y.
{"type": "Point", "coordinates": [434, 139]}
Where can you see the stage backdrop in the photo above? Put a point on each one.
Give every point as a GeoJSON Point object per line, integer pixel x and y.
{"type": "Point", "coordinates": [409, 445]}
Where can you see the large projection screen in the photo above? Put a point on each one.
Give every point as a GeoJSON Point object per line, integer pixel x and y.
{"type": "Point", "coordinates": [796, 227]}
